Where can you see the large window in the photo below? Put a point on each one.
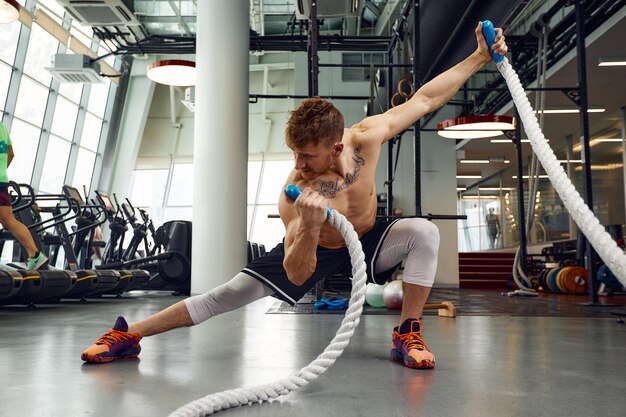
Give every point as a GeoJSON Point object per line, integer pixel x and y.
{"type": "Point", "coordinates": [9, 33]}
{"type": "Point", "coordinates": [31, 101]}
{"type": "Point", "coordinates": [181, 187]}
{"type": "Point", "coordinates": [64, 119]}
{"type": "Point", "coordinates": [357, 73]}
{"type": "Point", "coordinates": [482, 229]}
{"type": "Point", "coordinates": [265, 181]}
{"type": "Point", "coordinates": [25, 140]}
{"type": "Point", "coordinates": [5, 77]}
{"type": "Point", "coordinates": [71, 91]}
{"type": "Point", "coordinates": [83, 173]}
{"type": "Point", "coordinates": [98, 98]}
{"type": "Point", "coordinates": [147, 188]}
{"type": "Point", "coordinates": [55, 165]}
{"type": "Point", "coordinates": [91, 132]}
{"type": "Point", "coordinates": [41, 47]}
{"type": "Point", "coordinates": [45, 114]}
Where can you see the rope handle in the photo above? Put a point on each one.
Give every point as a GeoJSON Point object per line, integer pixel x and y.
{"type": "Point", "coordinates": [490, 33]}
{"type": "Point", "coordinates": [294, 192]}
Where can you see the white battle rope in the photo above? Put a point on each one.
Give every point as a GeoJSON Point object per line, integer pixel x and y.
{"type": "Point", "coordinates": [241, 396]}
{"type": "Point", "coordinates": [602, 242]}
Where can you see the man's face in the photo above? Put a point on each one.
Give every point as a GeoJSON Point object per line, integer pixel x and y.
{"type": "Point", "coordinates": [313, 160]}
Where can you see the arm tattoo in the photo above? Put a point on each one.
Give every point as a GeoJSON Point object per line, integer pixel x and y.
{"type": "Point", "coordinates": [329, 189]}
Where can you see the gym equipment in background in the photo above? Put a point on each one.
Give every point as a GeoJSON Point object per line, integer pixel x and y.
{"type": "Point", "coordinates": [169, 262]}
{"type": "Point", "coordinates": [392, 295]}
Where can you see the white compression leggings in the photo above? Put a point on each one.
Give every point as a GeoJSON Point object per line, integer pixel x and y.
{"type": "Point", "coordinates": [416, 241]}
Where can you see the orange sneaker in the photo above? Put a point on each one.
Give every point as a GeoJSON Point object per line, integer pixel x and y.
{"type": "Point", "coordinates": [409, 347]}
{"type": "Point", "coordinates": [115, 344]}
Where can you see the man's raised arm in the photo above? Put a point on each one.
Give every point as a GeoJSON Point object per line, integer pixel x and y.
{"type": "Point", "coordinates": [431, 95]}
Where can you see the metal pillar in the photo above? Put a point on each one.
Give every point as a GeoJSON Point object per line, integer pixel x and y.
{"type": "Point", "coordinates": [395, 38]}
{"type": "Point", "coordinates": [313, 59]}
{"type": "Point", "coordinates": [417, 82]}
{"type": "Point", "coordinates": [569, 140]}
{"type": "Point", "coordinates": [590, 254]}
{"type": "Point", "coordinates": [391, 141]}
{"type": "Point", "coordinates": [623, 121]}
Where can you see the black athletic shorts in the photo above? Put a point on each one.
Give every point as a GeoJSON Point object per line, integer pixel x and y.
{"type": "Point", "coordinates": [5, 198]}
{"type": "Point", "coordinates": [269, 268]}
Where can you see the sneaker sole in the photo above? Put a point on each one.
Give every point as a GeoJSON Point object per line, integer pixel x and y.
{"type": "Point", "coordinates": [104, 359]}
{"type": "Point", "coordinates": [36, 267]}
{"type": "Point", "coordinates": [410, 362]}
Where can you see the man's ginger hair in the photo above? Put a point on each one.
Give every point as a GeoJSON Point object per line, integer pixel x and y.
{"type": "Point", "coordinates": [315, 121]}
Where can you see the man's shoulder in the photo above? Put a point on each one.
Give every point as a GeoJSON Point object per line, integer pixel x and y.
{"type": "Point", "coordinates": [354, 138]}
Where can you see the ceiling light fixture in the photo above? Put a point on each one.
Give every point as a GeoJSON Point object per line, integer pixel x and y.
{"type": "Point", "coordinates": [608, 140]}
{"type": "Point", "coordinates": [570, 111]}
{"type": "Point", "coordinates": [603, 167]}
{"type": "Point", "coordinates": [611, 61]}
{"type": "Point", "coordinates": [475, 127]}
{"type": "Point", "coordinates": [469, 176]}
{"type": "Point", "coordinates": [9, 11]}
{"type": "Point", "coordinates": [474, 161]}
{"type": "Point", "coordinates": [593, 142]}
{"type": "Point", "coordinates": [499, 159]}
{"type": "Point", "coordinates": [511, 141]}
{"type": "Point", "coordinates": [176, 72]}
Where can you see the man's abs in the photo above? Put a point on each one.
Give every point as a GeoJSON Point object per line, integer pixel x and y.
{"type": "Point", "coordinates": [362, 221]}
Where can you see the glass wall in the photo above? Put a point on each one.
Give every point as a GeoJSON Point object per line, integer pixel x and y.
{"type": "Point", "coordinates": [168, 195]}
{"type": "Point", "coordinates": [483, 204]}
{"type": "Point", "coordinates": [56, 128]}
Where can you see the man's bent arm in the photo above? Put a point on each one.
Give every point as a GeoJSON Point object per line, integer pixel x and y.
{"type": "Point", "coordinates": [300, 252]}
{"type": "Point", "coordinates": [302, 236]}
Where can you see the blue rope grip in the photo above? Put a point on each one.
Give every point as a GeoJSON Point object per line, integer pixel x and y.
{"type": "Point", "coordinates": [335, 303]}
{"type": "Point", "coordinates": [490, 33]}
{"type": "Point", "coordinates": [294, 192]}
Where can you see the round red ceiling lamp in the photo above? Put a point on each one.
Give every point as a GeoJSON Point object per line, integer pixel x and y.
{"type": "Point", "coordinates": [176, 72]}
{"type": "Point", "coordinates": [9, 11]}
{"type": "Point", "coordinates": [474, 127]}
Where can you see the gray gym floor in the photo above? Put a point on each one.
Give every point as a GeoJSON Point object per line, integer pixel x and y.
{"type": "Point", "coordinates": [486, 365]}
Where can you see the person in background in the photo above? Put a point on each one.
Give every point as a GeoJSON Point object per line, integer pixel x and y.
{"type": "Point", "coordinates": [36, 259]}
{"type": "Point", "coordinates": [493, 227]}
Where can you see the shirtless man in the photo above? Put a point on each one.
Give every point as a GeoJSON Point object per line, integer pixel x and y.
{"type": "Point", "coordinates": [334, 167]}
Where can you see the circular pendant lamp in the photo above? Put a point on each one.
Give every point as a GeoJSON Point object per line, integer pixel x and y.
{"type": "Point", "coordinates": [9, 11]}
{"type": "Point", "coordinates": [176, 72]}
{"type": "Point", "coordinates": [475, 127]}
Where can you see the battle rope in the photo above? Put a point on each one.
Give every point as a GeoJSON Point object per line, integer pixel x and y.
{"type": "Point", "coordinates": [241, 396]}
{"type": "Point", "coordinates": [524, 282]}
{"type": "Point", "coordinates": [600, 239]}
